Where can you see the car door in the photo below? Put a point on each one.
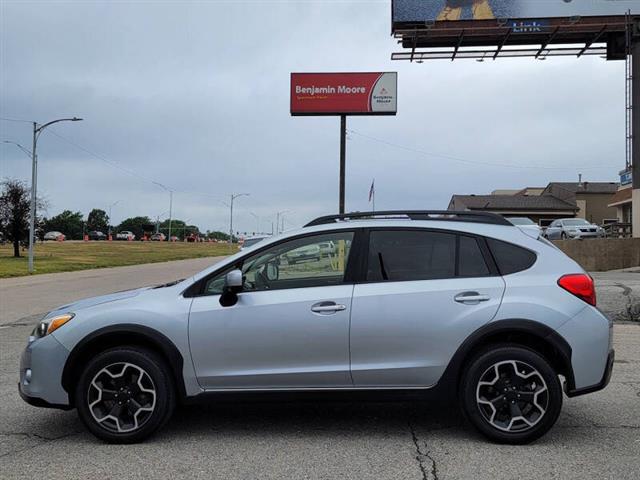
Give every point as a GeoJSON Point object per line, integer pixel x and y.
{"type": "Point", "coordinates": [424, 293]}
{"type": "Point", "coordinates": [554, 230]}
{"type": "Point", "coordinates": [289, 327]}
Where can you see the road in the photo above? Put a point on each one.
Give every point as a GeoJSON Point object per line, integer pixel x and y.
{"type": "Point", "coordinates": [597, 436]}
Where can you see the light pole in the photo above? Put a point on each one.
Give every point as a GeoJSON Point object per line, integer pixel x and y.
{"type": "Point", "coordinates": [37, 130]}
{"type": "Point", "coordinates": [278, 220]}
{"type": "Point", "coordinates": [257, 222]}
{"type": "Point", "coordinates": [233, 197]}
{"type": "Point", "coordinates": [167, 189]}
{"type": "Point", "coordinates": [110, 207]}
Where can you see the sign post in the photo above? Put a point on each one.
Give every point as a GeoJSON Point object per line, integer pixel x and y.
{"type": "Point", "coordinates": [343, 94]}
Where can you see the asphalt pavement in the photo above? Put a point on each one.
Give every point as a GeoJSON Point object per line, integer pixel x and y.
{"type": "Point", "coordinates": [597, 435]}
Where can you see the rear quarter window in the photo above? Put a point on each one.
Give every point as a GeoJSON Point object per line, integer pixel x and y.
{"type": "Point", "coordinates": [510, 258]}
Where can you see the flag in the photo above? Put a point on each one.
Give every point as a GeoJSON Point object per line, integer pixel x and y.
{"type": "Point", "coordinates": [372, 190]}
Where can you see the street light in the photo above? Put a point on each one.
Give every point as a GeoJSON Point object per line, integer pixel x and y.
{"type": "Point", "coordinates": [110, 207]}
{"type": "Point", "coordinates": [233, 197]}
{"type": "Point", "coordinates": [278, 220]}
{"type": "Point", "coordinates": [257, 222]}
{"type": "Point", "coordinates": [37, 130]}
{"type": "Point", "coordinates": [167, 189]}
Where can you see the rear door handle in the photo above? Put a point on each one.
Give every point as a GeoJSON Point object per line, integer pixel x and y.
{"type": "Point", "coordinates": [471, 298]}
{"type": "Point", "coordinates": [326, 308]}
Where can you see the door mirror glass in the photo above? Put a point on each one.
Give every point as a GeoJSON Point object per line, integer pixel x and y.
{"type": "Point", "coordinates": [272, 271]}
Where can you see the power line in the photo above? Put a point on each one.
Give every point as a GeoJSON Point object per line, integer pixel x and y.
{"type": "Point", "coordinates": [15, 120]}
{"type": "Point", "coordinates": [471, 162]}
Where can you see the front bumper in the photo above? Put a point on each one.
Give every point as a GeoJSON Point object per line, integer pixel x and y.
{"type": "Point", "coordinates": [606, 377]}
{"type": "Point", "coordinates": [41, 366]}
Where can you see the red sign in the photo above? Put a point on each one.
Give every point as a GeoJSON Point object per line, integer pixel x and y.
{"type": "Point", "coordinates": [344, 93]}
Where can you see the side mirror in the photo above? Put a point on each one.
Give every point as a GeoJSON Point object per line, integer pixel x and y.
{"type": "Point", "coordinates": [272, 271]}
{"type": "Point", "coordinates": [232, 285]}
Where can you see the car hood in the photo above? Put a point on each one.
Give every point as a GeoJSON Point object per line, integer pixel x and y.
{"type": "Point", "coordinates": [93, 301]}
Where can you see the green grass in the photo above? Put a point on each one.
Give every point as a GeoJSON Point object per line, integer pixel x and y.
{"type": "Point", "coordinates": [52, 257]}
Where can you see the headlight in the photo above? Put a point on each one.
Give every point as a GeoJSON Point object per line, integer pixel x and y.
{"type": "Point", "coordinates": [51, 325]}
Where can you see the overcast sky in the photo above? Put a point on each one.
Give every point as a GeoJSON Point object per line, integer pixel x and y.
{"type": "Point", "coordinates": [195, 95]}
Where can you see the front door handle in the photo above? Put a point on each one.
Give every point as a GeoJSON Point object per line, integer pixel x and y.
{"type": "Point", "coordinates": [471, 298]}
{"type": "Point", "coordinates": [326, 308]}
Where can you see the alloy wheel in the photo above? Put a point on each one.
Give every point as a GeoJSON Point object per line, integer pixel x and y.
{"type": "Point", "coordinates": [512, 396]}
{"type": "Point", "coordinates": [121, 397]}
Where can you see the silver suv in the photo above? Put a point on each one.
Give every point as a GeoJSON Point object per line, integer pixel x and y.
{"type": "Point", "coordinates": [456, 304]}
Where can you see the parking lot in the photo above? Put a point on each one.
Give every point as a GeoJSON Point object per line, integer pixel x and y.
{"type": "Point", "coordinates": [597, 436]}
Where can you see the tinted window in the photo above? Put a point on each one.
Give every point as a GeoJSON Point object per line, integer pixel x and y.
{"type": "Point", "coordinates": [510, 258]}
{"type": "Point", "coordinates": [472, 262]}
{"type": "Point", "coordinates": [410, 255]}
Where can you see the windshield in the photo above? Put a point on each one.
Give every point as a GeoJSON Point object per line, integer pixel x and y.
{"type": "Point", "coordinates": [249, 242]}
{"type": "Point", "coordinates": [521, 221]}
{"type": "Point", "coordinates": [575, 222]}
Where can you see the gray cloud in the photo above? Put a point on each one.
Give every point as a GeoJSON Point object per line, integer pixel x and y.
{"type": "Point", "coordinates": [195, 95]}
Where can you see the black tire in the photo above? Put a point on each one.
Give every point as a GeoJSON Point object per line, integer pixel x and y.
{"type": "Point", "coordinates": [563, 236]}
{"type": "Point", "coordinates": [503, 430]}
{"type": "Point", "coordinates": [157, 406]}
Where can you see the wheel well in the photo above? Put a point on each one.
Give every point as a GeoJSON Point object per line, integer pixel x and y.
{"type": "Point", "coordinates": [541, 345]}
{"type": "Point", "coordinates": [104, 340]}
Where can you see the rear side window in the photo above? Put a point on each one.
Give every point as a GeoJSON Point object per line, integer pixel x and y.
{"type": "Point", "coordinates": [471, 260]}
{"type": "Point", "coordinates": [410, 255]}
{"type": "Point", "coordinates": [510, 258]}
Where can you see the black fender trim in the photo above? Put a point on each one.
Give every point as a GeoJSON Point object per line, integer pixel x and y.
{"type": "Point", "coordinates": [122, 334]}
{"type": "Point", "coordinates": [606, 376]}
{"type": "Point", "coordinates": [504, 330]}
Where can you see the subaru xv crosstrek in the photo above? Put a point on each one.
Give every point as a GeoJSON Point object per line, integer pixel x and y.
{"type": "Point", "coordinates": [454, 304]}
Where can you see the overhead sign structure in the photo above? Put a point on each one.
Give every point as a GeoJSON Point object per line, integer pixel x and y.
{"type": "Point", "coordinates": [415, 11]}
{"type": "Point", "coordinates": [362, 93]}
{"type": "Point", "coordinates": [344, 93]}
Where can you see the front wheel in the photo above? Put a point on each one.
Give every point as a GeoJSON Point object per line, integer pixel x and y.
{"type": "Point", "coordinates": [511, 394]}
{"type": "Point", "coordinates": [125, 394]}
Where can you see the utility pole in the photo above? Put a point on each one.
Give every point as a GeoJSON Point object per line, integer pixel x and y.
{"type": "Point", "coordinates": [110, 207]}
{"type": "Point", "coordinates": [343, 151]}
{"type": "Point", "coordinates": [635, 155]}
{"type": "Point", "coordinates": [233, 197]}
{"type": "Point", "coordinates": [257, 222]}
{"type": "Point", "coordinates": [37, 130]}
{"type": "Point", "coordinates": [282, 212]}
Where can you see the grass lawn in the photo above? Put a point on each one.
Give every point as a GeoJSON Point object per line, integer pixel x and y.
{"type": "Point", "coordinates": [52, 257]}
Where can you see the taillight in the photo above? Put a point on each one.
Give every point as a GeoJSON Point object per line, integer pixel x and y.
{"type": "Point", "coordinates": [581, 285]}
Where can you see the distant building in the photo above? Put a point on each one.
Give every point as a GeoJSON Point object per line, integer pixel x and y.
{"type": "Point", "coordinates": [621, 200]}
{"type": "Point", "coordinates": [540, 209]}
{"type": "Point", "coordinates": [589, 200]}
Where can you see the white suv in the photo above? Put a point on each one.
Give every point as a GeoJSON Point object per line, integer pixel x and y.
{"type": "Point", "coordinates": [458, 304]}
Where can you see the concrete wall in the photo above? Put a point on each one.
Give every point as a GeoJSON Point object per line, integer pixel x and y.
{"type": "Point", "coordinates": [598, 255]}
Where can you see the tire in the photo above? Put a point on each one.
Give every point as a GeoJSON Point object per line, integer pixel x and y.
{"type": "Point", "coordinates": [563, 236]}
{"type": "Point", "coordinates": [513, 420]}
{"type": "Point", "coordinates": [127, 373]}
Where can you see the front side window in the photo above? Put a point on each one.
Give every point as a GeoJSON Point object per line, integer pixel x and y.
{"type": "Point", "coordinates": [303, 262]}
{"type": "Point", "coordinates": [410, 255]}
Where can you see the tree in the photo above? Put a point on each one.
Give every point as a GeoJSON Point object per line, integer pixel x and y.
{"type": "Point", "coordinates": [98, 220]}
{"type": "Point", "coordinates": [135, 224]}
{"type": "Point", "coordinates": [67, 222]}
{"type": "Point", "coordinates": [15, 201]}
{"type": "Point", "coordinates": [218, 236]}
{"type": "Point", "coordinates": [178, 228]}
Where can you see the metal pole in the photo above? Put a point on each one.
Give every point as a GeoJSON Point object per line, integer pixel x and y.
{"type": "Point", "coordinates": [343, 148]}
{"type": "Point", "coordinates": [170, 211]}
{"type": "Point", "coordinates": [32, 208]}
{"type": "Point", "coordinates": [277, 223]}
{"type": "Point", "coordinates": [231, 221]}
{"type": "Point", "coordinates": [635, 165]}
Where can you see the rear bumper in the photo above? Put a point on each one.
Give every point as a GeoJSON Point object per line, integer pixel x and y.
{"type": "Point", "coordinates": [606, 377]}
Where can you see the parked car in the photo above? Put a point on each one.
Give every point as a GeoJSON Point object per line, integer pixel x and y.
{"type": "Point", "coordinates": [576, 228]}
{"type": "Point", "coordinates": [327, 249]}
{"type": "Point", "coordinates": [96, 235]}
{"type": "Point", "coordinates": [125, 235]}
{"type": "Point", "coordinates": [526, 225]}
{"type": "Point", "coordinates": [251, 241]}
{"type": "Point", "coordinates": [158, 237]}
{"type": "Point", "coordinates": [304, 254]}
{"type": "Point", "coordinates": [464, 306]}
{"type": "Point", "coordinates": [54, 236]}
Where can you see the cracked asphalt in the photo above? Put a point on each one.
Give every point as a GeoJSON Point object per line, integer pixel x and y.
{"type": "Point", "coordinates": [597, 435]}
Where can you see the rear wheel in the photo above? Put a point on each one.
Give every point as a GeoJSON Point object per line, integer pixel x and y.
{"type": "Point", "coordinates": [511, 394]}
{"type": "Point", "coordinates": [125, 394]}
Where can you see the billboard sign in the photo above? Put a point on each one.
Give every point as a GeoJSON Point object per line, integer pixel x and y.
{"type": "Point", "coordinates": [420, 11]}
{"type": "Point", "coordinates": [344, 93]}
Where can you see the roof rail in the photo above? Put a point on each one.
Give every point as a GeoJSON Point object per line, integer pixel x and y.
{"type": "Point", "coordinates": [442, 215]}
